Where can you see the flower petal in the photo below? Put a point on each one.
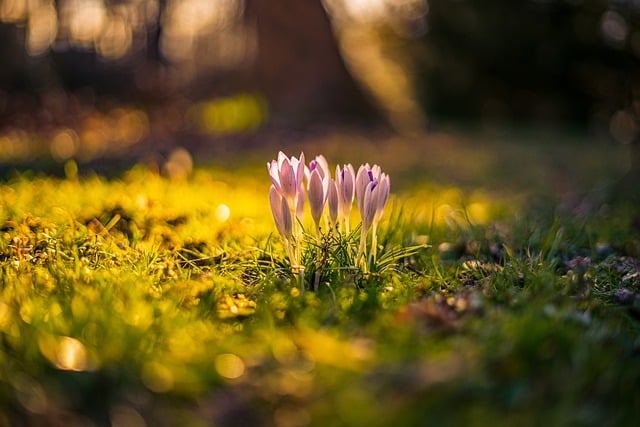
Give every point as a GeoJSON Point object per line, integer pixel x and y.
{"type": "Point", "coordinates": [288, 181]}
{"type": "Point", "coordinates": [280, 211]}
{"type": "Point", "coordinates": [333, 201]}
{"type": "Point", "coordinates": [362, 179]}
{"type": "Point", "coordinates": [317, 195]}
{"type": "Point", "coordinates": [385, 186]}
{"type": "Point", "coordinates": [369, 205]}
{"type": "Point", "coordinates": [274, 174]}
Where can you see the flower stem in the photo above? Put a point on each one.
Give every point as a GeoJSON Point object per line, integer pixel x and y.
{"type": "Point", "coordinates": [316, 281]}
{"type": "Point", "coordinates": [298, 273]}
{"type": "Point", "coordinates": [362, 249]}
{"type": "Point", "coordinates": [374, 244]}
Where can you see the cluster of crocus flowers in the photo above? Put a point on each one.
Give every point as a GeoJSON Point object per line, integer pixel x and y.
{"type": "Point", "coordinates": [372, 192]}
{"type": "Point", "coordinates": [291, 177]}
{"type": "Point", "coordinates": [286, 196]}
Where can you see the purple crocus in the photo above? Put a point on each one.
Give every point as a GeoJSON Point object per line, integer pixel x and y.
{"type": "Point", "coordinates": [286, 175]}
{"type": "Point", "coordinates": [286, 196]}
{"type": "Point", "coordinates": [320, 163]}
{"type": "Point", "coordinates": [318, 192]}
{"type": "Point", "coordinates": [372, 193]}
{"type": "Point", "coordinates": [345, 183]}
{"type": "Point", "coordinates": [365, 175]}
{"type": "Point", "coordinates": [281, 214]}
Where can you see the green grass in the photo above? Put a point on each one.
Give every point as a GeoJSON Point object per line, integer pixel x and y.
{"type": "Point", "coordinates": [141, 300]}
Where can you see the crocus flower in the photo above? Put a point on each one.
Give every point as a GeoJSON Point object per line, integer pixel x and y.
{"type": "Point", "coordinates": [382, 196]}
{"type": "Point", "coordinates": [319, 163]}
{"type": "Point", "coordinates": [372, 193]}
{"type": "Point", "coordinates": [281, 214]}
{"type": "Point", "coordinates": [345, 182]}
{"type": "Point", "coordinates": [369, 205]}
{"type": "Point", "coordinates": [318, 191]}
{"type": "Point", "coordinates": [286, 175]}
{"type": "Point", "coordinates": [365, 175]}
{"type": "Point", "coordinates": [286, 195]}
{"type": "Point", "coordinates": [375, 196]}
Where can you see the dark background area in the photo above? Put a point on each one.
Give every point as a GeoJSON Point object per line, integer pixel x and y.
{"type": "Point", "coordinates": [158, 68]}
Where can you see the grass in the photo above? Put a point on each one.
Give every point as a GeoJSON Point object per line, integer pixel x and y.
{"type": "Point", "coordinates": [140, 300]}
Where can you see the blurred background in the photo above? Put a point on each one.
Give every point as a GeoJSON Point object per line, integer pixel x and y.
{"type": "Point", "coordinates": [96, 79]}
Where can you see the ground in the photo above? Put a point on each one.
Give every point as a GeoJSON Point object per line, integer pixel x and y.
{"type": "Point", "coordinates": [508, 291]}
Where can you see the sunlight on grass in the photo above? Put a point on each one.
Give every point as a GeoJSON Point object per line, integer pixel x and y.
{"type": "Point", "coordinates": [178, 292]}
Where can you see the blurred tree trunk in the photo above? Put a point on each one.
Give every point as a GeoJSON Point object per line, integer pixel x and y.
{"type": "Point", "coordinates": [298, 65]}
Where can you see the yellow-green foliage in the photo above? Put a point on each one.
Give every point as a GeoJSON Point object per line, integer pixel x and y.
{"type": "Point", "coordinates": [151, 300]}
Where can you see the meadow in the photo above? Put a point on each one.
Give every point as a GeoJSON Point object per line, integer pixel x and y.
{"type": "Point", "coordinates": [506, 292]}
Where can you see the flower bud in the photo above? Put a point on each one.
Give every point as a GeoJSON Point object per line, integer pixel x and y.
{"type": "Point", "coordinates": [281, 213]}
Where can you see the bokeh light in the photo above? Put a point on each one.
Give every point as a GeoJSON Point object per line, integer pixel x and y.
{"type": "Point", "coordinates": [66, 353]}
{"type": "Point", "coordinates": [222, 212]}
{"type": "Point", "coordinates": [42, 28]}
{"type": "Point", "coordinates": [229, 366]}
{"type": "Point", "coordinates": [157, 377]}
{"type": "Point", "coordinates": [239, 113]}
{"type": "Point", "coordinates": [614, 28]}
{"type": "Point", "coordinates": [179, 164]}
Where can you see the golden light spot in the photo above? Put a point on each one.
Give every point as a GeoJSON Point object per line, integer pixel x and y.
{"type": "Point", "coordinates": [116, 38]}
{"type": "Point", "coordinates": [179, 165]}
{"type": "Point", "coordinates": [15, 145]}
{"type": "Point", "coordinates": [478, 212]}
{"type": "Point", "coordinates": [230, 306]}
{"type": "Point", "coordinates": [222, 212]}
{"type": "Point", "coordinates": [239, 113]}
{"type": "Point", "coordinates": [139, 315]}
{"type": "Point", "coordinates": [86, 19]}
{"type": "Point", "coordinates": [130, 125]}
{"type": "Point", "coordinates": [443, 213]}
{"type": "Point", "coordinates": [330, 350]}
{"type": "Point", "coordinates": [25, 311]}
{"type": "Point", "coordinates": [42, 29]}
{"type": "Point", "coordinates": [6, 314]}
{"type": "Point", "coordinates": [54, 311]}
{"type": "Point", "coordinates": [229, 366]}
{"type": "Point", "coordinates": [284, 350]}
{"type": "Point", "coordinates": [13, 10]}
{"type": "Point", "coordinates": [67, 353]}
{"type": "Point", "coordinates": [71, 355]}
{"type": "Point", "coordinates": [64, 144]}
{"type": "Point", "coordinates": [157, 377]}
{"type": "Point", "coordinates": [142, 202]}
{"type": "Point", "coordinates": [186, 22]}
{"type": "Point", "coordinates": [71, 170]}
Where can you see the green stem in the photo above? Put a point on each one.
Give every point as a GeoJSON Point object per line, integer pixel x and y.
{"type": "Point", "coordinates": [296, 268]}
{"type": "Point", "coordinates": [347, 230]}
{"type": "Point", "coordinates": [299, 274]}
{"type": "Point", "coordinates": [374, 244]}
{"type": "Point", "coordinates": [362, 249]}
{"type": "Point", "coordinates": [316, 281]}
